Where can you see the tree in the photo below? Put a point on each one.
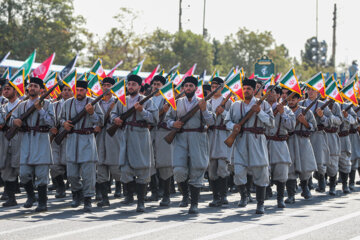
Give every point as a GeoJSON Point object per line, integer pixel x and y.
{"type": "Point", "coordinates": [280, 56]}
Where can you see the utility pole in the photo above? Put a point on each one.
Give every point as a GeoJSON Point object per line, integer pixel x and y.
{"type": "Point", "coordinates": [204, 29]}
{"type": "Point", "coordinates": [180, 13]}
{"type": "Point", "coordinates": [334, 38]}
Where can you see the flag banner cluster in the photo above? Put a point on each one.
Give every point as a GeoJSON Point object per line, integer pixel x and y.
{"type": "Point", "coordinates": [137, 68]}
{"type": "Point", "coordinates": [332, 91]}
{"type": "Point", "coordinates": [168, 92]}
{"type": "Point", "coordinates": [98, 69]}
{"type": "Point", "coordinates": [94, 84]}
{"type": "Point", "coordinates": [51, 81]}
{"type": "Point", "coordinates": [200, 91]}
{"type": "Point", "coordinates": [70, 81]}
{"type": "Point", "coordinates": [317, 83]}
{"type": "Point", "coordinates": [269, 82]}
{"type": "Point", "coordinates": [119, 90]}
{"type": "Point", "coordinates": [290, 81]}
{"type": "Point", "coordinates": [18, 81]}
{"type": "Point", "coordinates": [235, 85]}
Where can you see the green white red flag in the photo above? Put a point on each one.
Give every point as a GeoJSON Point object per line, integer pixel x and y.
{"type": "Point", "coordinates": [231, 73]}
{"type": "Point", "coordinates": [112, 71]}
{"type": "Point", "coordinates": [83, 77]}
{"type": "Point", "coordinates": [137, 68]}
{"type": "Point", "coordinates": [317, 83]}
{"type": "Point", "coordinates": [290, 81]}
{"type": "Point", "coordinates": [277, 77]}
{"type": "Point", "coordinates": [119, 90]}
{"type": "Point", "coordinates": [333, 92]}
{"type": "Point", "coordinates": [172, 70]}
{"type": "Point", "coordinates": [214, 75]}
{"type": "Point", "coordinates": [167, 91]}
{"type": "Point", "coordinates": [98, 69]}
{"type": "Point", "coordinates": [151, 76]}
{"type": "Point", "coordinates": [18, 81]}
{"type": "Point", "coordinates": [190, 72]}
{"type": "Point", "coordinates": [349, 93]}
{"type": "Point", "coordinates": [70, 81]}
{"type": "Point", "coordinates": [44, 68]}
{"type": "Point", "coordinates": [235, 85]}
{"type": "Point", "coordinates": [49, 82]}
{"type": "Point", "coordinates": [28, 63]}
{"type": "Point", "coordinates": [6, 74]}
{"type": "Point", "coordinates": [199, 91]}
{"type": "Point", "coordinates": [329, 80]}
{"type": "Point", "coordinates": [176, 78]}
{"type": "Point", "coordinates": [269, 82]}
{"type": "Point", "coordinates": [94, 84]}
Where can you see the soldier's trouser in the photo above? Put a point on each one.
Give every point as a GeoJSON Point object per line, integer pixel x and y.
{"type": "Point", "coordinates": [104, 171]}
{"type": "Point", "coordinates": [142, 176]}
{"type": "Point", "coordinates": [280, 172]}
{"type": "Point", "coordinates": [195, 176]}
{"type": "Point", "coordinates": [332, 166]}
{"type": "Point", "coordinates": [355, 164]}
{"type": "Point", "coordinates": [165, 172]}
{"type": "Point", "coordinates": [344, 162]}
{"type": "Point", "coordinates": [9, 173]}
{"type": "Point", "coordinates": [57, 170]}
{"type": "Point", "coordinates": [41, 173]}
{"type": "Point", "coordinates": [302, 176]}
{"type": "Point", "coordinates": [260, 175]}
{"type": "Point", "coordinates": [218, 168]}
{"type": "Point", "coordinates": [82, 176]}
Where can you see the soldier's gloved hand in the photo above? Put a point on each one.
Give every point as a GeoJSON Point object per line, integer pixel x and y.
{"type": "Point", "coordinates": [219, 110]}
{"type": "Point", "coordinates": [280, 108]}
{"type": "Point", "coordinates": [256, 108]}
{"type": "Point", "coordinates": [89, 109]}
{"type": "Point", "coordinates": [97, 129]}
{"type": "Point", "coordinates": [53, 131]}
{"type": "Point", "coordinates": [320, 112]}
{"type": "Point", "coordinates": [202, 105]}
{"type": "Point", "coordinates": [345, 113]}
{"type": "Point", "coordinates": [138, 107]}
{"type": "Point", "coordinates": [68, 126]}
{"type": "Point", "coordinates": [118, 121]}
{"type": "Point", "coordinates": [37, 105]}
{"type": "Point", "coordinates": [178, 124]}
{"type": "Point", "coordinates": [17, 122]}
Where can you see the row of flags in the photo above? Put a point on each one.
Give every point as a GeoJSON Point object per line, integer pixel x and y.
{"type": "Point", "coordinates": [329, 87]}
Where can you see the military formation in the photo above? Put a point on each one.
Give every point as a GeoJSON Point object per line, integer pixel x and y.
{"type": "Point", "coordinates": [280, 139]}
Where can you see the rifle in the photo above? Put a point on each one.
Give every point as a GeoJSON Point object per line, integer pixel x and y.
{"type": "Point", "coordinates": [61, 135]}
{"type": "Point", "coordinates": [283, 103]}
{"type": "Point", "coordinates": [308, 108]}
{"type": "Point", "coordinates": [112, 130]}
{"type": "Point", "coordinates": [8, 116]}
{"type": "Point", "coordinates": [170, 137]}
{"type": "Point", "coordinates": [231, 139]}
{"type": "Point", "coordinates": [224, 101]}
{"type": "Point", "coordinates": [348, 107]}
{"type": "Point", "coordinates": [14, 129]}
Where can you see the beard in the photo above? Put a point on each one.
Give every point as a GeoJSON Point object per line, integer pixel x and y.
{"type": "Point", "coordinates": [190, 95]}
{"type": "Point", "coordinates": [294, 106]}
{"type": "Point", "coordinates": [133, 93]}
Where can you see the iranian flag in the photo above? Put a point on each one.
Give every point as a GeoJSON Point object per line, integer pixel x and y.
{"type": "Point", "coordinates": [190, 72]}
{"type": "Point", "coordinates": [168, 93]}
{"type": "Point", "coordinates": [151, 76]}
{"type": "Point", "coordinates": [235, 86]}
{"type": "Point", "coordinates": [199, 91]}
{"type": "Point", "coordinates": [28, 63]}
{"type": "Point", "coordinates": [17, 81]}
{"type": "Point", "coordinates": [4, 57]}
{"type": "Point", "coordinates": [43, 69]}
{"type": "Point", "coordinates": [176, 79]}
{"type": "Point", "coordinates": [6, 74]}
{"type": "Point", "coordinates": [214, 75]}
{"type": "Point", "coordinates": [277, 77]}
{"type": "Point", "coordinates": [354, 79]}
{"type": "Point", "coordinates": [98, 69]}
{"type": "Point", "coordinates": [348, 92]}
{"type": "Point", "coordinates": [329, 80]}
{"type": "Point", "coordinates": [83, 77]}
{"type": "Point", "coordinates": [112, 71]}
{"type": "Point", "coordinates": [225, 92]}
{"type": "Point", "coordinates": [94, 84]}
{"type": "Point", "coordinates": [230, 74]}
{"type": "Point", "coordinates": [269, 82]}
{"type": "Point", "coordinates": [137, 68]}
{"type": "Point", "coordinates": [70, 81]}
{"type": "Point", "coordinates": [49, 82]}
{"type": "Point", "coordinates": [317, 83]}
{"type": "Point", "coordinates": [119, 90]}
{"type": "Point", "coordinates": [291, 82]}
{"type": "Point", "coordinates": [333, 92]}
{"type": "Point", "coordinates": [172, 70]}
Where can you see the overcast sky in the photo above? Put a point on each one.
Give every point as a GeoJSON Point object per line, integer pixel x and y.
{"type": "Point", "coordinates": [290, 21]}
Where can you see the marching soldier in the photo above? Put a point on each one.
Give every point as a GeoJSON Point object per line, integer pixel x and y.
{"type": "Point", "coordinates": [35, 149]}
{"type": "Point", "coordinates": [355, 150]}
{"type": "Point", "coordinates": [303, 161]}
{"type": "Point", "coordinates": [190, 146]}
{"type": "Point", "coordinates": [219, 152]}
{"type": "Point", "coordinates": [279, 155]}
{"type": "Point", "coordinates": [108, 147]}
{"type": "Point", "coordinates": [250, 148]}
{"type": "Point", "coordinates": [10, 157]}
{"type": "Point", "coordinates": [58, 169]}
{"type": "Point", "coordinates": [81, 151]}
{"type": "Point", "coordinates": [135, 162]}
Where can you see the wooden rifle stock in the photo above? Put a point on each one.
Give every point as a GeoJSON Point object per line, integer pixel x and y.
{"type": "Point", "coordinates": [224, 101]}
{"type": "Point", "coordinates": [61, 135]}
{"type": "Point", "coordinates": [283, 103]}
{"type": "Point", "coordinates": [308, 108]}
{"type": "Point", "coordinates": [14, 129]}
{"type": "Point", "coordinates": [170, 137]}
{"type": "Point", "coordinates": [112, 130]}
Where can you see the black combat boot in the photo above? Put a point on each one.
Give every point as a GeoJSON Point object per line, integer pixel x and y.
{"type": "Point", "coordinates": [60, 189]}
{"type": "Point", "coordinates": [344, 179]}
{"type": "Point", "coordinates": [42, 192]}
{"type": "Point", "coordinates": [250, 187]}
{"type": "Point", "coordinates": [165, 202]}
{"type": "Point", "coordinates": [154, 190]}
{"type": "Point", "coordinates": [305, 189]}
{"type": "Point", "coordinates": [280, 188]}
{"type": "Point", "coordinates": [87, 204]}
{"type": "Point", "coordinates": [244, 196]}
{"type": "Point", "coordinates": [104, 195]}
{"type": "Point", "coordinates": [98, 196]}
{"type": "Point", "coordinates": [358, 182]}
{"type": "Point", "coordinates": [29, 188]}
{"type": "Point", "coordinates": [268, 192]}
{"type": "Point", "coordinates": [291, 190]}
{"type": "Point", "coordinates": [216, 202]}
{"type": "Point", "coordinates": [117, 193]}
{"type": "Point", "coordinates": [352, 180]}
{"type": "Point", "coordinates": [223, 190]}
{"type": "Point", "coordinates": [184, 188]}
{"type": "Point", "coordinates": [310, 183]}
{"type": "Point", "coordinates": [195, 192]}
{"type": "Point", "coordinates": [141, 191]}
{"type": "Point", "coordinates": [10, 188]}
{"type": "Point", "coordinates": [332, 186]}
{"type": "Point", "coordinates": [54, 184]}
{"type": "Point", "coordinates": [260, 197]}
{"type": "Point", "coordinates": [321, 183]}
{"type": "Point", "coordinates": [129, 189]}
{"type": "Point", "coordinates": [77, 198]}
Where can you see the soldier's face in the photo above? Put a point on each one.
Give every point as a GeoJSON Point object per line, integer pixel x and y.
{"type": "Point", "coordinates": [214, 86]}
{"type": "Point", "coordinates": [67, 93]}
{"type": "Point", "coordinates": [9, 92]}
{"type": "Point", "coordinates": [284, 93]}
{"type": "Point", "coordinates": [106, 86]}
{"type": "Point", "coordinates": [271, 96]}
{"type": "Point", "coordinates": [248, 92]}
{"type": "Point", "coordinates": [156, 85]}
{"type": "Point", "coordinates": [189, 89]}
{"type": "Point", "coordinates": [293, 102]}
{"type": "Point", "coordinates": [133, 88]}
{"type": "Point", "coordinates": [34, 89]}
{"type": "Point", "coordinates": [80, 93]}
{"type": "Point", "coordinates": [312, 94]}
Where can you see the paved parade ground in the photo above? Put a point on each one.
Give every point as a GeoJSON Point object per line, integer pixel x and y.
{"type": "Point", "coordinates": [322, 217]}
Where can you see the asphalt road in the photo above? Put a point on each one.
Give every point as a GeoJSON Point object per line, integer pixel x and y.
{"type": "Point", "coordinates": [322, 217]}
